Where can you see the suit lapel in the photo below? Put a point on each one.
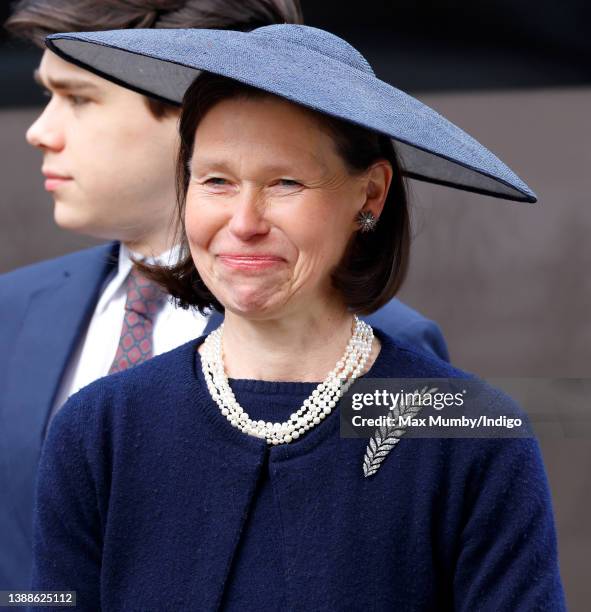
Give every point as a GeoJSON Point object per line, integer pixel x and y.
{"type": "Point", "coordinates": [57, 315]}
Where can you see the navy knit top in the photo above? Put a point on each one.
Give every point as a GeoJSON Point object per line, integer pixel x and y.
{"type": "Point", "coordinates": [257, 575]}
{"type": "Point", "coordinates": [148, 499]}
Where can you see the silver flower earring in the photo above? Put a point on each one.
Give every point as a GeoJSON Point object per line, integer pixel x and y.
{"type": "Point", "coordinates": [366, 221]}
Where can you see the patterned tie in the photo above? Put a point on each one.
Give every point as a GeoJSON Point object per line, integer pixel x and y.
{"type": "Point", "coordinates": [144, 300]}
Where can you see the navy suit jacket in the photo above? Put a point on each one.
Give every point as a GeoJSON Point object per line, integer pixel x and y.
{"type": "Point", "coordinates": [44, 310]}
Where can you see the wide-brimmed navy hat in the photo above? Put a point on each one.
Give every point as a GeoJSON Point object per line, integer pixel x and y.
{"type": "Point", "coordinates": [305, 65]}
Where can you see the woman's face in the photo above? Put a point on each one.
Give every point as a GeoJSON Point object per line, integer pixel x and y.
{"type": "Point", "coordinates": [270, 207]}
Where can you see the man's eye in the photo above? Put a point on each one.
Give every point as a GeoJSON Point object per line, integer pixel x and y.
{"type": "Point", "coordinates": [77, 100]}
{"type": "Point", "coordinates": [215, 181]}
{"type": "Point", "coordinates": [288, 183]}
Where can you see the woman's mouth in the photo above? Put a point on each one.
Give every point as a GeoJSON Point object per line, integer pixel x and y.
{"type": "Point", "coordinates": [251, 262]}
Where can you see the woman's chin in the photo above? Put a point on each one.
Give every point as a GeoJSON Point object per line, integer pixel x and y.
{"type": "Point", "coordinates": [252, 306]}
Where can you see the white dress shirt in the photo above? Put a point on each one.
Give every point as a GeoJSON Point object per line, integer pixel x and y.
{"type": "Point", "coordinates": [96, 350]}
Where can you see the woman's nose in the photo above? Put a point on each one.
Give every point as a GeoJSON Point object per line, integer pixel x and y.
{"type": "Point", "coordinates": [248, 217]}
{"type": "Point", "coordinates": [46, 132]}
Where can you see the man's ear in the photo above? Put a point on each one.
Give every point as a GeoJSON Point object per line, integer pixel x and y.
{"type": "Point", "coordinates": [378, 180]}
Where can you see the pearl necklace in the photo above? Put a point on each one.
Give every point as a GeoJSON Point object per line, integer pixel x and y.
{"type": "Point", "coordinates": [315, 408]}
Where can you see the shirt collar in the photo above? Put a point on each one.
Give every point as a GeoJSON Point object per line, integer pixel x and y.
{"type": "Point", "coordinates": [125, 263]}
{"type": "Point", "coordinates": [167, 258]}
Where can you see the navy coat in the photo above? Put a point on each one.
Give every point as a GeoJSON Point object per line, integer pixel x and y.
{"type": "Point", "coordinates": [150, 500]}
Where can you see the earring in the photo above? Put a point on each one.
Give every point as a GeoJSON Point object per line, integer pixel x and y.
{"type": "Point", "coordinates": [366, 220]}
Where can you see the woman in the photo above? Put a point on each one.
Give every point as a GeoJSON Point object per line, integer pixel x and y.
{"type": "Point", "coordinates": [214, 476]}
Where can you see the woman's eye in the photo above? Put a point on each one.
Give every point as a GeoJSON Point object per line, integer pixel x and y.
{"type": "Point", "coordinates": [288, 183]}
{"type": "Point", "coordinates": [215, 181]}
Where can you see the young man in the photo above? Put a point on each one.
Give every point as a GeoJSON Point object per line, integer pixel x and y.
{"type": "Point", "coordinates": [108, 162]}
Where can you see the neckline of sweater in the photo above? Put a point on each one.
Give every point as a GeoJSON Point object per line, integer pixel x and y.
{"type": "Point", "coordinates": [313, 439]}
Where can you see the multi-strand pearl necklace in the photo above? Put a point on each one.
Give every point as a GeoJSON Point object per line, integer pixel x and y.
{"type": "Point", "coordinates": [315, 408]}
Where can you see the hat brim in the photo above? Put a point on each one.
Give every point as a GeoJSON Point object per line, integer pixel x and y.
{"type": "Point", "coordinates": [163, 63]}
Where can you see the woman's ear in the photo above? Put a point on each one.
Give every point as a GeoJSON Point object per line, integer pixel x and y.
{"type": "Point", "coordinates": [378, 180]}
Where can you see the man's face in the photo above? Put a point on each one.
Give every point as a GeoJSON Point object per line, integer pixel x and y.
{"type": "Point", "coordinates": [108, 162]}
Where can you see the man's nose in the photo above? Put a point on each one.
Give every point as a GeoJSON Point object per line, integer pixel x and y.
{"type": "Point", "coordinates": [46, 132]}
{"type": "Point", "coordinates": [249, 215]}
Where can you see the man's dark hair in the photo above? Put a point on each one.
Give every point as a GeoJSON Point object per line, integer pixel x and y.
{"type": "Point", "coordinates": [374, 264]}
{"type": "Point", "coordinates": [33, 20]}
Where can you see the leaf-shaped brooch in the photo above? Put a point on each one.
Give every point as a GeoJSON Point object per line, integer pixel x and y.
{"type": "Point", "coordinates": [385, 438]}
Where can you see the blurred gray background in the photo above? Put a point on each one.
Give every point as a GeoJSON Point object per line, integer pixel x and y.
{"type": "Point", "coordinates": [508, 283]}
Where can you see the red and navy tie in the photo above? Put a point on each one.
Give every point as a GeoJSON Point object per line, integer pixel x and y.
{"type": "Point", "coordinates": [144, 300]}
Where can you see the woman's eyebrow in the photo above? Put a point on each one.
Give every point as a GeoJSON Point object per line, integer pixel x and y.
{"type": "Point", "coordinates": [212, 163]}
{"type": "Point", "coordinates": [208, 162]}
{"type": "Point", "coordinates": [70, 84]}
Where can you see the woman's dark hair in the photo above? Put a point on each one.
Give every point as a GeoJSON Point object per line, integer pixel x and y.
{"type": "Point", "coordinates": [374, 264]}
{"type": "Point", "coordinates": [33, 20]}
